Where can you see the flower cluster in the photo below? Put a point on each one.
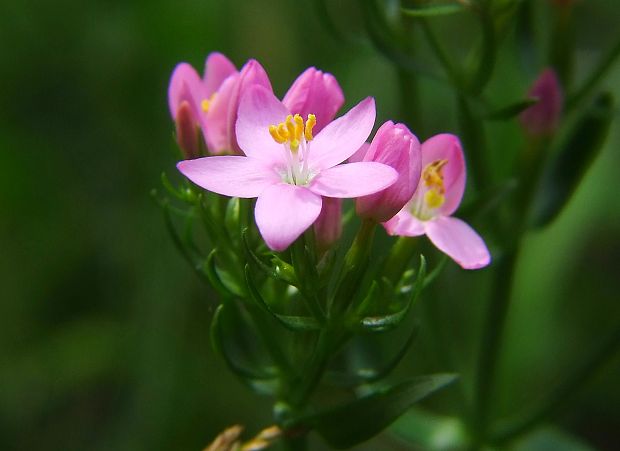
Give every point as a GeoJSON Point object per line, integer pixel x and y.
{"type": "Point", "coordinates": [299, 161]}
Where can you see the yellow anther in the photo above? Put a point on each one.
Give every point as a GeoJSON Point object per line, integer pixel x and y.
{"type": "Point", "coordinates": [299, 126]}
{"type": "Point", "coordinates": [310, 123]}
{"type": "Point", "coordinates": [290, 127]}
{"type": "Point", "coordinates": [434, 199]}
{"type": "Point", "coordinates": [273, 131]}
{"type": "Point", "coordinates": [282, 131]}
{"type": "Point", "coordinates": [433, 175]}
{"type": "Point", "coordinates": [206, 103]}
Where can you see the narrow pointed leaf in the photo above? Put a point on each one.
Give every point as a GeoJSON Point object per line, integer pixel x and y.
{"type": "Point", "coordinates": [352, 423]}
{"type": "Point", "coordinates": [210, 271]}
{"type": "Point", "coordinates": [511, 111]}
{"type": "Point", "coordinates": [435, 10]}
{"type": "Point", "coordinates": [564, 173]}
{"type": "Point", "coordinates": [217, 341]}
{"type": "Point", "coordinates": [280, 271]}
{"type": "Point", "coordinates": [390, 321]}
{"type": "Point", "coordinates": [291, 322]}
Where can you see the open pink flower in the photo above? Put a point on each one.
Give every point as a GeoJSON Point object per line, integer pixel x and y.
{"type": "Point", "coordinates": [288, 168]}
{"type": "Point", "coordinates": [438, 195]}
{"type": "Point", "coordinates": [189, 94]}
{"type": "Point", "coordinates": [213, 100]}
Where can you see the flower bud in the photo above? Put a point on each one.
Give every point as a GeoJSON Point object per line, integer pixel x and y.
{"type": "Point", "coordinates": [395, 146]}
{"type": "Point", "coordinates": [187, 132]}
{"type": "Point", "coordinates": [222, 115]}
{"type": "Point", "coordinates": [542, 118]}
{"type": "Point", "coordinates": [328, 226]}
{"type": "Point", "coordinates": [315, 92]}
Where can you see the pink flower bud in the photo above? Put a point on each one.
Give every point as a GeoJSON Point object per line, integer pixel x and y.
{"type": "Point", "coordinates": [315, 92]}
{"type": "Point", "coordinates": [328, 226]}
{"type": "Point", "coordinates": [543, 117]}
{"type": "Point", "coordinates": [222, 114]}
{"type": "Point", "coordinates": [395, 146]}
{"type": "Point", "coordinates": [187, 131]}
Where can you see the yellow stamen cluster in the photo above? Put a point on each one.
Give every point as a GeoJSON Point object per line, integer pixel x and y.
{"type": "Point", "coordinates": [292, 130]}
{"type": "Point", "coordinates": [433, 179]}
{"type": "Point", "coordinates": [206, 103]}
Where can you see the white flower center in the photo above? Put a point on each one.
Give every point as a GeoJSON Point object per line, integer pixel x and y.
{"type": "Point", "coordinates": [295, 136]}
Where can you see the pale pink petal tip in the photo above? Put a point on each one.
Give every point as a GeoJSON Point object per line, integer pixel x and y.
{"type": "Point", "coordinates": [459, 241]}
{"type": "Point", "coordinates": [283, 212]}
{"type": "Point", "coordinates": [343, 137]}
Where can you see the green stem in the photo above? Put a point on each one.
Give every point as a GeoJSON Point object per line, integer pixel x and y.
{"type": "Point", "coordinates": [314, 371]}
{"type": "Point", "coordinates": [595, 77]}
{"type": "Point", "coordinates": [563, 391]}
{"type": "Point", "coordinates": [399, 258]}
{"type": "Point", "coordinates": [305, 269]}
{"type": "Point", "coordinates": [492, 337]}
{"type": "Point", "coordinates": [353, 268]}
{"type": "Point", "coordinates": [451, 70]}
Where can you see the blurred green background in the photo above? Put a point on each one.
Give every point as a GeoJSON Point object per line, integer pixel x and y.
{"type": "Point", "coordinates": [104, 328]}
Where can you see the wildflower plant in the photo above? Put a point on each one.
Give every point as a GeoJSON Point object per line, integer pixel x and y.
{"type": "Point", "coordinates": [261, 214]}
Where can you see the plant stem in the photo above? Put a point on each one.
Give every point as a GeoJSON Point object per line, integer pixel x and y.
{"type": "Point", "coordinates": [491, 339]}
{"type": "Point", "coordinates": [563, 391]}
{"type": "Point", "coordinates": [399, 258]}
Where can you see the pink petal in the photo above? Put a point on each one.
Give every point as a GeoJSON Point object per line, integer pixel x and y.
{"type": "Point", "coordinates": [185, 84]}
{"type": "Point", "coordinates": [343, 137]}
{"type": "Point", "coordinates": [283, 212]}
{"type": "Point", "coordinates": [216, 133]}
{"type": "Point", "coordinates": [225, 111]}
{"type": "Point", "coordinates": [258, 110]}
{"type": "Point", "coordinates": [217, 69]}
{"type": "Point", "coordinates": [404, 224]}
{"type": "Point", "coordinates": [448, 147]}
{"type": "Point", "coordinates": [459, 241]}
{"type": "Point", "coordinates": [395, 146]}
{"type": "Point", "coordinates": [543, 117]}
{"type": "Point", "coordinates": [359, 153]}
{"type": "Point", "coordinates": [353, 179]}
{"type": "Point", "coordinates": [317, 93]}
{"type": "Point", "coordinates": [230, 175]}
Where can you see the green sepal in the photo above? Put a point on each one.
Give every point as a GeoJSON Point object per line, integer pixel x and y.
{"type": "Point", "coordinates": [380, 323]}
{"type": "Point", "coordinates": [510, 111]}
{"type": "Point", "coordinates": [280, 270]}
{"type": "Point", "coordinates": [435, 10]}
{"type": "Point", "coordinates": [564, 173]}
{"type": "Point", "coordinates": [264, 382]}
{"type": "Point", "coordinates": [349, 424]}
{"type": "Point", "coordinates": [291, 322]}
{"type": "Point", "coordinates": [231, 218]}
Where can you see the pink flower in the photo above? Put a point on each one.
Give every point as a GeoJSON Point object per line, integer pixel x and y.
{"type": "Point", "coordinates": [190, 95]}
{"type": "Point", "coordinates": [397, 147]}
{"type": "Point", "coordinates": [543, 117]}
{"type": "Point", "coordinates": [213, 100]}
{"type": "Point", "coordinates": [222, 112]}
{"type": "Point", "coordinates": [438, 195]}
{"type": "Point", "coordinates": [315, 92]}
{"type": "Point", "coordinates": [288, 168]}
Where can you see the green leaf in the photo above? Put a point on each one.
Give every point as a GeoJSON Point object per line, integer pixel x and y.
{"type": "Point", "coordinates": [280, 270]}
{"type": "Point", "coordinates": [435, 10]}
{"type": "Point", "coordinates": [210, 271]}
{"type": "Point", "coordinates": [510, 111]}
{"type": "Point", "coordinates": [551, 439]}
{"type": "Point", "coordinates": [426, 430]}
{"type": "Point", "coordinates": [231, 219]}
{"type": "Point", "coordinates": [368, 373]}
{"type": "Point", "coordinates": [564, 173]}
{"type": "Point", "coordinates": [381, 323]}
{"type": "Point", "coordinates": [263, 381]}
{"type": "Point", "coordinates": [294, 323]}
{"type": "Point", "coordinates": [352, 423]}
